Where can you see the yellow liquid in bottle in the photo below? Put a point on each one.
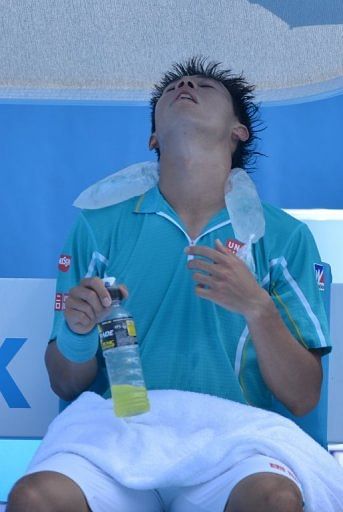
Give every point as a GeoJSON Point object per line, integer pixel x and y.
{"type": "Point", "coordinates": [129, 400]}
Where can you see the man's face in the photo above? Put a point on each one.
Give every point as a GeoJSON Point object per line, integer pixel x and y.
{"type": "Point", "coordinates": [198, 102]}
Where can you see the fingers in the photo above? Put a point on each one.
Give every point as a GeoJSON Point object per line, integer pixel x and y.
{"type": "Point", "coordinates": [217, 255]}
{"type": "Point", "coordinates": [204, 293]}
{"type": "Point", "coordinates": [202, 279]}
{"type": "Point", "coordinates": [220, 256]}
{"type": "Point", "coordinates": [124, 290]}
{"type": "Point", "coordinates": [221, 247]}
{"type": "Point", "coordinates": [198, 264]}
{"type": "Point", "coordinates": [82, 308]}
{"type": "Point", "coordinates": [78, 321]}
{"type": "Point", "coordinates": [82, 294]}
{"type": "Point", "coordinates": [74, 305]}
{"type": "Point", "coordinates": [94, 284]}
{"type": "Point", "coordinates": [76, 317]}
{"type": "Point", "coordinates": [87, 303]}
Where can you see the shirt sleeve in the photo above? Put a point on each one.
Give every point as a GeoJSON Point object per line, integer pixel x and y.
{"type": "Point", "coordinates": [79, 258]}
{"type": "Point", "coordinates": [297, 287]}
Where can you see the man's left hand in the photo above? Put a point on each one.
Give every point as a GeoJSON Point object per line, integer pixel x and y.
{"type": "Point", "coordinates": [227, 282]}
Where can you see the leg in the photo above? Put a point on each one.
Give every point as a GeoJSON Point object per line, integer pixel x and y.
{"type": "Point", "coordinates": [265, 492]}
{"type": "Point", "coordinates": [67, 482]}
{"type": "Point", "coordinates": [256, 484]}
{"type": "Point", "coordinates": [47, 491]}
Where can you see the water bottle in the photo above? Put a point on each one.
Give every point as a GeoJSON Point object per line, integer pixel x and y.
{"type": "Point", "coordinates": [121, 352]}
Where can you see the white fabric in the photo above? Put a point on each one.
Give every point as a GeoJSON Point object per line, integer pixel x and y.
{"type": "Point", "coordinates": [122, 185]}
{"type": "Point", "coordinates": [105, 494]}
{"type": "Point", "coordinates": [189, 438]}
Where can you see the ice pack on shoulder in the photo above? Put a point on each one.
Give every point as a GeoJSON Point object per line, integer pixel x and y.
{"type": "Point", "coordinates": [246, 213]}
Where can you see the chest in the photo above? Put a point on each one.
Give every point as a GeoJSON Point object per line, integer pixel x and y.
{"type": "Point", "coordinates": [150, 255]}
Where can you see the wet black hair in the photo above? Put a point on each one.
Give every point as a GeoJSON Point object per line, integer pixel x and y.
{"type": "Point", "coordinates": [246, 110]}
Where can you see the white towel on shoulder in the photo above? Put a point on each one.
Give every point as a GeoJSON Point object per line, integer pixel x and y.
{"type": "Point", "coordinates": [189, 438]}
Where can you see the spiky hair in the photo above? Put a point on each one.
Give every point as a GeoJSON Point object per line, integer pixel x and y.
{"type": "Point", "coordinates": [246, 110]}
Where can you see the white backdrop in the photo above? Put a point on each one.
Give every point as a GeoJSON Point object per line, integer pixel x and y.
{"type": "Point", "coordinates": [26, 312]}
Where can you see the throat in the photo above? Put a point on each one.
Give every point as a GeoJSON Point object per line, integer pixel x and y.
{"type": "Point", "coordinates": [195, 225]}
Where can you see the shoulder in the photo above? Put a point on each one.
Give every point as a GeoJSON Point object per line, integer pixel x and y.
{"type": "Point", "coordinates": [276, 217]}
{"type": "Point", "coordinates": [279, 221]}
{"type": "Point", "coordinates": [283, 230]}
{"type": "Point", "coordinates": [106, 215]}
{"type": "Point", "coordinates": [102, 226]}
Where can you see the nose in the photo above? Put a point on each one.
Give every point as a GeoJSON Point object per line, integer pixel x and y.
{"type": "Point", "coordinates": [183, 82]}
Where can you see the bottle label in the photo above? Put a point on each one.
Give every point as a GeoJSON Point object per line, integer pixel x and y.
{"type": "Point", "coordinates": [117, 333]}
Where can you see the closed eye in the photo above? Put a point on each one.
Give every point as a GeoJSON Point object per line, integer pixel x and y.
{"type": "Point", "coordinates": [202, 85]}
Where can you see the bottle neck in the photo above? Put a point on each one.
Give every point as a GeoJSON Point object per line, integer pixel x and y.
{"type": "Point", "coordinates": [116, 302]}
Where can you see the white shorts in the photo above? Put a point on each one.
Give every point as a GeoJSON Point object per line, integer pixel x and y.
{"type": "Point", "coordinates": [103, 494]}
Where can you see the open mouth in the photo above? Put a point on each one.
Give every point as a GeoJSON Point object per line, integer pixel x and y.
{"type": "Point", "coordinates": [185, 96]}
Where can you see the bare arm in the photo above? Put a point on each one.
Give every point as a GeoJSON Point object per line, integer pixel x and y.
{"type": "Point", "coordinates": [85, 306]}
{"type": "Point", "coordinates": [68, 379]}
{"type": "Point", "coordinates": [291, 372]}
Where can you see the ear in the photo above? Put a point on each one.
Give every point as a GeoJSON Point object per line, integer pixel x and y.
{"type": "Point", "coordinates": [153, 142]}
{"type": "Point", "coordinates": [240, 132]}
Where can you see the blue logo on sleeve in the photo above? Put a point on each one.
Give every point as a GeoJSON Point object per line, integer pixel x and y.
{"type": "Point", "coordinates": [8, 388]}
{"type": "Point", "coordinates": [320, 278]}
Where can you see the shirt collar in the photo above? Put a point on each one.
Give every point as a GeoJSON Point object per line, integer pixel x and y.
{"type": "Point", "coordinates": [150, 202]}
{"type": "Point", "coordinates": [153, 201]}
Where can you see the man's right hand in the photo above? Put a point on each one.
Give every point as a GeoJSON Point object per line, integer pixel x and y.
{"type": "Point", "coordinates": [87, 303]}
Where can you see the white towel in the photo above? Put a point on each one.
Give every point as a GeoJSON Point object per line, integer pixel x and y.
{"type": "Point", "coordinates": [189, 438]}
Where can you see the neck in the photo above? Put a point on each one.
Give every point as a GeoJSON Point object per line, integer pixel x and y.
{"type": "Point", "coordinates": [193, 184]}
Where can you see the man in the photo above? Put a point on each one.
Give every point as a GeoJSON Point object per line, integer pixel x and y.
{"type": "Point", "coordinates": [205, 323]}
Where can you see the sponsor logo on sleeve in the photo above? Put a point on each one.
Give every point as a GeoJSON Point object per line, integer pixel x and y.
{"type": "Point", "coordinates": [64, 262]}
{"type": "Point", "coordinates": [320, 278]}
{"type": "Point", "coordinates": [60, 299]}
{"type": "Point", "coordinates": [233, 245]}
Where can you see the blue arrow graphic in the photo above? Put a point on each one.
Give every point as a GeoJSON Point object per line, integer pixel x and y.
{"type": "Point", "coordinates": [8, 388]}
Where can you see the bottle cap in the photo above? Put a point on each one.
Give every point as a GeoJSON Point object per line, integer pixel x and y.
{"type": "Point", "coordinates": [115, 293]}
{"type": "Point", "coordinates": [109, 281]}
{"type": "Point", "coordinates": [113, 290]}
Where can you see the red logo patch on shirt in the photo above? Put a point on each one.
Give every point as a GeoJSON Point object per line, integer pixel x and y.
{"type": "Point", "coordinates": [64, 262]}
{"type": "Point", "coordinates": [60, 299]}
{"type": "Point", "coordinates": [233, 245]}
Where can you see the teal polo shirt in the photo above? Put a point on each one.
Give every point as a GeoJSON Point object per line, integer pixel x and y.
{"type": "Point", "coordinates": [186, 342]}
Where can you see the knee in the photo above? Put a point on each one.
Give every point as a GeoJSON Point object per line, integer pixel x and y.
{"type": "Point", "coordinates": [265, 494]}
{"type": "Point", "coordinates": [25, 495]}
{"type": "Point", "coordinates": [284, 499]}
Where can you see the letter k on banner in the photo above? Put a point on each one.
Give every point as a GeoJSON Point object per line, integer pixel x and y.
{"type": "Point", "coordinates": [8, 388]}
